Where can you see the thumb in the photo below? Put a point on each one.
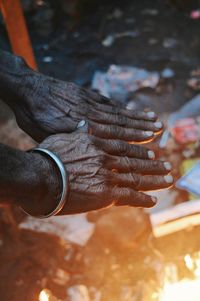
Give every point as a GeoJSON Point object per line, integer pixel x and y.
{"type": "Point", "coordinates": [82, 127]}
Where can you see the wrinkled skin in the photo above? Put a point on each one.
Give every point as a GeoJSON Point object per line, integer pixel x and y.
{"type": "Point", "coordinates": [106, 172]}
{"type": "Point", "coordinates": [50, 106]}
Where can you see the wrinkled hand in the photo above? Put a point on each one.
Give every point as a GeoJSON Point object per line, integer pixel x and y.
{"type": "Point", "coordinates": [107, 172]}
{"type": "Point", "coordinates": [50, 106]}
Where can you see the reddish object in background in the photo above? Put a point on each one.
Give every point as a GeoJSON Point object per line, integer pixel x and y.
{"type": "Point", "coordinates": [17, 31]}
{"type": "Point", "coordinates": [186, 130]}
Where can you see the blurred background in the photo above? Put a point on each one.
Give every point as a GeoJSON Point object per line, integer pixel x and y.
{"type": "Point", "coordinates": [144, 54]}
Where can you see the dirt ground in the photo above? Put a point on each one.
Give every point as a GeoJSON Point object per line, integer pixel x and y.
{"type": "Point", "coordinates": [70, 48]}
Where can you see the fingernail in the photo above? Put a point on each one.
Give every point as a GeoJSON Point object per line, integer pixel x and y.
{"type": "Point", "coordinates": [148, 133]}
{"type": "Point", "coordinates": [158, 125]}
{"type": "Point", "coordinates": [81, 124]}
{"type": "Point", "coordinates": [169, 179]}
{"type": "Point", "coordinates": [154, 199]}
{"type": "Point", "coordinates": [151, 114]}
{"type": "Point", "coordinates": [167, 165]}
{"type": "Point", "coordinates": [151, 154]}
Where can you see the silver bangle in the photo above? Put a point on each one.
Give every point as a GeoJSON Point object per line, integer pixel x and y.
{"type": "Point", "coordinates": [65, 185]}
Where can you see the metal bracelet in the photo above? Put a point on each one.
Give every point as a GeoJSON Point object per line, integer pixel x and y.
{"type": "Point", "coordinates": [64, 177]}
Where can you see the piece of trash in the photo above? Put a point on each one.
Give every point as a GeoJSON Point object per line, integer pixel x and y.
{"type": "Point", "coordinates": [170, 43]}
{"type": "Point", "coordinates": [190, 109]}
{"type": "Point", "coordinates": [75, 229]}
{"type": "Point", "coordinates": [150, 12]}
{"type": "Point", "coordinates": [186, 130]}
{"type": "Point", "coordinates": [47, 59]}
{"type": "Point", "coordinates": [194, 83]}
{"type": "Point", "coordinates": [167, 73]}
{"type": "Point", "coordinates": [175, 218]}
{"type": "Point", "coordinates": [119, 81]}
{"type": "Point", "coordinates": [110, 39]}
{"type": "Point", "coordinates": [195, 14]}
{"type": "Point", "coordinates": [78, 293]}
{"type": "Point", "coordinates": [185, 167]}
{"type": "Point", "coordinates": [191, 181]}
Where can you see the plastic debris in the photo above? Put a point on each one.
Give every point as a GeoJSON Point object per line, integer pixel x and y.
{"type": "Point", "coordinates": [75, 229]}
{"type": "Point", "coordinates": [186, 130]}
{"type": "Point", "coordinates": [194, 83]}
{"type": "Point", "coordinates": [47, 59]}
{"type": "Point", "coordinates": [110, 39]}
{"type": "Point", "coordinates": [185, 167]}
{"type": "Point", "coordinates": [78, 293]}
{"type": "Point", "coordinates": [195, 14]}
{"type": "Point", "coordinates": [119, 81]}
{"type": "Point", "coordinates": [170, 43]}
{"type": "Point", "coordinates": [190, 109]}
{"type": "Point", "coordinates": [191, 181]}
{"type": "Point", "coordinates": [167, 73]}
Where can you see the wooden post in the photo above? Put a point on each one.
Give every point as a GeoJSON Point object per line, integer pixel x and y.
{"type": "Point", "coordinates": [17, 30]}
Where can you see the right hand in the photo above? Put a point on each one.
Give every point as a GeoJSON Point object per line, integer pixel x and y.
{"type": "Point", "coordinates": [107, 172]}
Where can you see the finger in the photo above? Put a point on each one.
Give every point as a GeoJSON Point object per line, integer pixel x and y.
{"type": "Point", "coordinates": [121, 148]}
{"type": "Point", "coordinates": [126, 164]}
{"type": "Point", "coordinates": [124, 121]}
{"type": "Point", "coordinates": [139, 115]}
{"type": "Point", "coordinates": [118, 132]}
{"type": "Point", "coordinates": [127, 196]}
{"type": "Point", "coordinates": [139, 182]}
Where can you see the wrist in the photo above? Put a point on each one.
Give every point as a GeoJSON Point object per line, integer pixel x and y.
{"type": "Point", "coordinates": [46, 186]}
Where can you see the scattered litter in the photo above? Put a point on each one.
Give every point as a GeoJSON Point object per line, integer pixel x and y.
{"type": "Point", "coordinates": [161, 221]}
{"type": "Point", "coordinates": [150, 12]}
{"type": "Point", "coordinates": [194, 83]}
{"type": "Point", "coordinates": [190, 109]}
{"type": "Point", "coordinates": [167, 73]}
{"type": "Point", "coordinates": [191, 181]}
{"type": "Point", "coordinates": [78, 293]}
{"type": "Point", "coordinates": [47, 59]}
{"type": "Point", "coordinates": [186, 130]}
{"type": "Point", "coordinates": [195, 14]}
{"type": "Point", "coordinates": [185, 167]}
{"type": "Point", "coordinates": [119, 81]}
{"type": "Point", "coordinates": [170, 43]}
{"type": "Point", "coordinates": [75, 228]}
{"type": "Point", "coordinates": [110, 39]}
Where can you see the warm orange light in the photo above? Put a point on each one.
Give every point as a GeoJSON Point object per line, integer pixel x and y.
{"type": "Point", "coordinates": [44, 295]}
{"type": "Point", "coordinates": [185, 290]}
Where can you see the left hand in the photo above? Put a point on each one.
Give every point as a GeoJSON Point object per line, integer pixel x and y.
{"type": "Point", "coordinates": [48, 106]}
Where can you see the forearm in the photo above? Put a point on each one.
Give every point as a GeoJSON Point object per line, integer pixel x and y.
{"type": "Point", "coordinates": [28, 180]}
{"type": "Point", "coordinates": [13, 73]}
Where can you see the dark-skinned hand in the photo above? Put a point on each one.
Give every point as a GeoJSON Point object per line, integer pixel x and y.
{"type": "Point", "coordinates": [49, 106]}
{"type": "Point", "coordinates": [107, 172]}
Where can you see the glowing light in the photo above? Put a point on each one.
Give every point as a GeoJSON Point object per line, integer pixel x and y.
{"type": "Point", "coordinates": [44, 295]}
{"type": "Point", "coordinates": [184, 290]}
{"type": "Point", "coordinates": [189, 262]}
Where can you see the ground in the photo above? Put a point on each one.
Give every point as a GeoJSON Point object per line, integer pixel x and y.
{"type": "Point", "coordinates": [70, 48]}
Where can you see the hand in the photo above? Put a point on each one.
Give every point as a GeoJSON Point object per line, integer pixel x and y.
{"type": "Point", "coordinates": [107, 172]}
{"type": "Point", "coordinates": [49, 106]}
